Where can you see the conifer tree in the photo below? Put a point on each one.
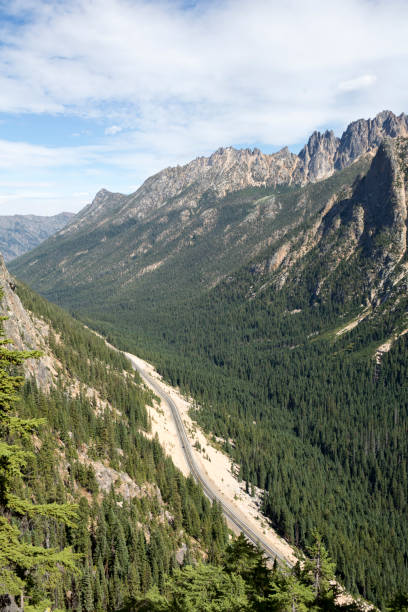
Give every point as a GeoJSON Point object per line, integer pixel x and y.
{"type": "Point", "coordinates": [18, 559]}
{"type": "Point", "coordinates": [318, 567]}
{"type": "Point", "coordinates": [289, 594]}
{"type": "Point", "coordinates": [87, 589]}
{"type": "Point", "coordinates": [245, 559]}
{"type": "Point", "coordinates": [399, 603]}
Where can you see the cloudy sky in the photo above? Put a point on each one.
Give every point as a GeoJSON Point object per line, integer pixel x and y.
{"type": "Point", "coordinates": [103, 93]}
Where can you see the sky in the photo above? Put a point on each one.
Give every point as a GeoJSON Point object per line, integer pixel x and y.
{"type": "Point", "coordinates": [103, 93]}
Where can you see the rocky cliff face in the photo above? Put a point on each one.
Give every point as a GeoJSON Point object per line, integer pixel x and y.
{"type": "Point", "coordinates": [25, 331]}
{"type": "Point", "coordinates": [324, 153]}
{"type": "Point", "coordinates": [365, 226]}
{"type": "Point", "coordinates": [228, 170]}
{"type": "Point", "coordinates": [317, 156]}
{"type": "Point", "coordinates": [365, 135]}
{"type": "Point", "coordinates": [21, 233]}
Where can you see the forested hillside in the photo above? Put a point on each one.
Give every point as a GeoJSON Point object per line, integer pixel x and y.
{"type": "Point", "coordinates": [137, 516]}
{"type": "Point", "coordinates": [243, 582]}
{"type": "Point", "coordinates": [284, 314]}
{"type": "Point", "coordinates": [313, 406]}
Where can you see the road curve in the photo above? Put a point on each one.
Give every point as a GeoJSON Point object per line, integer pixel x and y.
{"type": "Point", "coordinates": [229, 512]}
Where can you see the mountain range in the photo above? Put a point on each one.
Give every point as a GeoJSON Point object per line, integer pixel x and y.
{"type": "Point", "coordinates": [273, 289]}
{"type": "Point", "coordinates": [185, 212]}
{"type": "Point", "coordinates": [21, 233]}
{"type": "Point", "coordinates": [230, 169]}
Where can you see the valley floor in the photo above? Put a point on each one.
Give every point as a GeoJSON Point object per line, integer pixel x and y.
{"type": "Point", "coordinates": [214, 464]}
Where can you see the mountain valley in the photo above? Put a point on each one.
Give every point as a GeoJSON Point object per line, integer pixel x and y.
{"type": "Point", "coordinates": [137, 516]}
{"type": "Point", "coordinates": [273, 290]}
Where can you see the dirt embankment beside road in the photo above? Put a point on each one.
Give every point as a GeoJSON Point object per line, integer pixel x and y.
{"type": "Point", "coordinates": [214, 464]}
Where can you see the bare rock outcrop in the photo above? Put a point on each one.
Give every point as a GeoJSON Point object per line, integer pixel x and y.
{"type": "Point", "coordinates": [363, 136]}
{"type": "Point", "coordinates": [325, 153]}
{"type": "Point", "coordinates": [369, 223]}
{"type": "Point", "coordinates": [226, 170]}
{"type": "Point", "coordinates": [104, 202]}
{"type": "Point", "coordinates": [318, 156]}
{"type": "Point", "coordinates": [25, 331]}
{"type": "Point", "coordinates": [108, 478]}
{"type": "Point", "coordinates": [230, 169]}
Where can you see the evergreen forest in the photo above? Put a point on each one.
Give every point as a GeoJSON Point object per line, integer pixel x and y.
{"type": "Point", "coordinates": [309, 415]}
{"type": "Point", "coordinates": [66, 540]}
{"type": "Point", "coordinates": [284, 363]}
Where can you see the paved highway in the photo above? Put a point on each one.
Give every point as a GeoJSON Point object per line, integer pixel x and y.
{"type": "Point", "coordinates": [229, 512]}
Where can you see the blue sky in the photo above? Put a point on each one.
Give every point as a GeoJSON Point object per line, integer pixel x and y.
{"type": "Point", "coordinates": [103, 93]}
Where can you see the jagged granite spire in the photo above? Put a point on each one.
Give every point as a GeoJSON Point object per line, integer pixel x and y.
{"type": "Point", "coordinates": [229, 169]}
{"type": "Point", "coordinates": [317, 156]}
{"type": "Point", "coordinates": [364, 135]}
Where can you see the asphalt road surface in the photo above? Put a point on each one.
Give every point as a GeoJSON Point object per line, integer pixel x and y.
{"type": "Point", "coordinates": [228, 510]}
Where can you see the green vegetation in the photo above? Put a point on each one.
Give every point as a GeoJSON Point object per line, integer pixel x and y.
{"type": "Point", "coordinates": [85, 272]}
{"type": "Point", "coordinates": [123, 544]}
{"type": "Point", "coordinates": [242, 582]}
{"type": "Point", "coordinates": [23, 561]}
{"type": "Point", "coordinates": [313, 420]}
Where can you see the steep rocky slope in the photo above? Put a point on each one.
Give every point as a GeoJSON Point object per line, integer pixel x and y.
{"type": "Point", "coordinates": [21, 233]}
{"type": "Point", "coordinates": [283, 309]}
{"type": "Point", "coordinates": [96, 449]}
{"type": "Point", "coordinates": [228, 169]}
{"type": "Point", "coordinates": [364, 225]}
{"type": "Point", "coordinates": [220, 211]}
{"type": "Point", "coordinates": [25, 333]}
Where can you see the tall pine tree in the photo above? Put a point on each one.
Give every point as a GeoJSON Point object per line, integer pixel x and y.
{"type": "Point", "coordinates": [18, 558]}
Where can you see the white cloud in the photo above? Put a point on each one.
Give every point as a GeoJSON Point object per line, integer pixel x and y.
{"type": "Point", "coordinates": [30, 195]}
{"type": "Point", "coordinates": [361, 82]}
{"type": "Point", "coordinates": [112, 130]}
{"type": "Point", "coordinates": [172, 83]}
{"type": "Point", "coordinates": [152, 62]}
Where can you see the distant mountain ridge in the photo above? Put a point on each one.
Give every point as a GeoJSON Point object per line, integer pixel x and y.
{"type": "Point", "coordinates": [229, 169]}
{"type": "Point", "coordinates": [21, 233]}
{"type": "Point", "coordinates": [282, 309]}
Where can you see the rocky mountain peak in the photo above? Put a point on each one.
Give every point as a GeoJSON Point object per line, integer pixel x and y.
{"type": "Point", "coordinates": [102, 199]}
{"type": "Point", "coordinates": [284, 152]}
{"type": "Point", "coordinates": [229, 169]}
{"type": "Point", "coordinates": [317, 156]}
{"type": "Point", "coordinates": [101, 196]}
{"type": "Point", "coordinates": [324, 153]}
{"type": "Point", "coordinates": [320, 140]}
{"type": "Point", "coordinates": [104, 203]}
{"type": "Point", "coordinates": [363, 136]}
